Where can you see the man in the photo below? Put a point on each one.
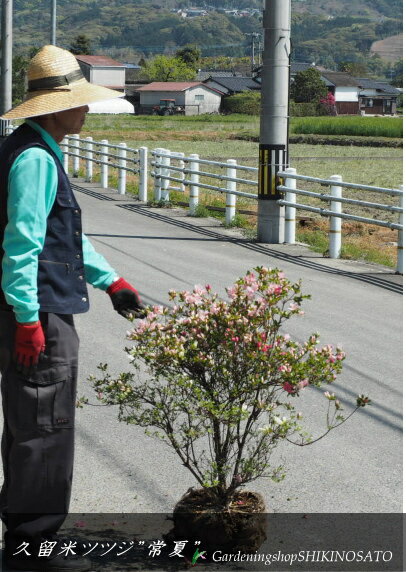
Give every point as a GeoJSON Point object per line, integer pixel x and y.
{"type": "Point", "coordinates": [46, 262]}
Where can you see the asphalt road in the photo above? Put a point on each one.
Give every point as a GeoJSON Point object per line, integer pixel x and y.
{"type": "Point", "coordinates": [357, 468]}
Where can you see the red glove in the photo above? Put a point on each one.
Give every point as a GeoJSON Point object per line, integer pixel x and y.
{"type": "Point", "coordinates": [126, 300]}
{"type": "Point", "coordinates": [29, 344]}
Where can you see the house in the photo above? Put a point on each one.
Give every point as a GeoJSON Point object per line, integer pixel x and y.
{"type": "Point", "coordinates": [202, 75]}
{"type": "Point", "coordinates": [232, 85]}
{"type": "Point", "coordinates": [103, 70]}
{"type": "Point", "coordinates": [345, 90]}
{"type": "Point", "coordinates": [360, 95]}
{"type": "Point", "coordinates": [194, 96]}
{"type": "Point", "coordinates": [377, 97]}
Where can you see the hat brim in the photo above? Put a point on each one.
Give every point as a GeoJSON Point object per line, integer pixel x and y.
{"type": "Point", "coordinates": [61, 99]}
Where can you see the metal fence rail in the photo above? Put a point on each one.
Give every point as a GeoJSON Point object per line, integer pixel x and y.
{"type": "Point", "coordinates": [188, 174]}
{"type": "Point", "coordinates": [173, 171]}
{"type": "Point", "coordinates": [334, 212]}
{"type": "Point", "coordinates": [125, 160]}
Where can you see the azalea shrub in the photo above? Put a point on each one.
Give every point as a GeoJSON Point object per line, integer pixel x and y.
{"type": "Point", "coordinates": [219, 382]}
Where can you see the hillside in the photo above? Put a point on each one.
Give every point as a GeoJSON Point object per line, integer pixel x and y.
{"type": "Point", "coordinates": [325, 31]}
{"type": "Point", "coordinates": [389, 49]}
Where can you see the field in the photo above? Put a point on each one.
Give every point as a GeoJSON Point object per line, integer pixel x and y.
{"type": "Point", "coordinates": [217, 138]}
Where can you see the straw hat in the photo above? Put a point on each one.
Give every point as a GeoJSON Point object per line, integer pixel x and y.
{"type": "Point", "coordinates": [56, 83]}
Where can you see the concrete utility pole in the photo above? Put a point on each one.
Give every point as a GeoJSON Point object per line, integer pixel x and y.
{"type": "Point", "coordinates": [53, 22]}
{"type": "Point", "coordinates": [6, 60]}
{"type": "Point", "coordinates": [273, 140]}
{"type": "Point", "coordinates": [253, 35]}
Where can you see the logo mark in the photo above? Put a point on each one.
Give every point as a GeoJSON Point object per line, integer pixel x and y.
{"type": "Point", "coordinates": [198, 555]}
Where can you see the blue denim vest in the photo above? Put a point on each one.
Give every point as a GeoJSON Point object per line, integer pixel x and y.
{"type": "Point", "coordinates": [61, 274]}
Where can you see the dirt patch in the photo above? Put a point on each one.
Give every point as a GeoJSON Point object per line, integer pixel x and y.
{"type": "Point", "coordinates": [389, 49]}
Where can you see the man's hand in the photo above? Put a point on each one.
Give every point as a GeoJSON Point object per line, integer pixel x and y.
{"type": "Point", "coordinates": [126, 300]}
{"type": "Point", "coordinates": [29, 345]}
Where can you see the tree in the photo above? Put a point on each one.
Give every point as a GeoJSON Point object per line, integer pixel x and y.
{"type": "Point", "coordinates": [190, 55]}
{"type": "Point", "coordinates": [20, 64]}
{"type": "Point", "coordinates": [165, 68]}
{"type": "Point", "coordinates": [356, 69]}
{"type": "Point", "coordinates": [395, 74]}
{"type": "Point", "coordinates": [81, 45]}
{"type": "Point", "coordinates": [308, 87]}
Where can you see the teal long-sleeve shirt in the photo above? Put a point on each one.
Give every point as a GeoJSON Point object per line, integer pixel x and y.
{"type": "Point", "coordinates": [32, 186]}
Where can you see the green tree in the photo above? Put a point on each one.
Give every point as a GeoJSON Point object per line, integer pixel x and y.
{"type": "Point", "coordinates": [190, 55]}
{"type": "Point", "coordinates": [308, 87]}
{"type": "Point", "coordinates": [81, 45]}
{"type": "Point", "coordinates": [394, 74]}
{"type": "Point", "coordinates": [356, 69]}
{"type": "Point", "coordinates": [166, 68]}
{"type": "Point", "coordinates": [20, 64]}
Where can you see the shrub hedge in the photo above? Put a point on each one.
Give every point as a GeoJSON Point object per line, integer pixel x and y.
{"type": "Point", "coordinates": [248, 102]}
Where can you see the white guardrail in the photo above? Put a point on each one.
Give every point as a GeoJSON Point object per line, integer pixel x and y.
{"type": "Point", "coordinates": [172, 171]}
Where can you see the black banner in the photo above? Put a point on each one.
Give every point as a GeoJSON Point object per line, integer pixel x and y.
{"type": "Point", "coordinates": [296, 542]}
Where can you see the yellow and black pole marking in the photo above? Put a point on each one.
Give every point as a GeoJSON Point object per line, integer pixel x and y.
{"type": "Point", "coordinates": [272, 158]}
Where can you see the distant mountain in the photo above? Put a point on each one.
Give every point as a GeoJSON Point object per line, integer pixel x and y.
{"type": "Point", "coordinates": [325, 31]}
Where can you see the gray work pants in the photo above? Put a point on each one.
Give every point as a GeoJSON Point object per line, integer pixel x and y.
{"type": "Point", "coordinates": [38, 434]}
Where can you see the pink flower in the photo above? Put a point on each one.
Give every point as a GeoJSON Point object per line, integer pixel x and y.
{"type": "Point", "coordinates": [232, 292]}
{"type": "Point", "coordinates": [80, 524]}
{"type": "Point", "coordinates": [274, 289]}
{"type": "Point", "coordinates": [303, 383]}
{"type": "Point", "coordinates": [288, 387]}
{"type": "Point", "coordinates": [198, 290]}
{"type": "Point", "coordinates": [250, 279]}
{"type": "Point", "coordinates": [157, 310]}
{"type": "Point", "coordinates": [251, 291]}
{"type": "Point", "coordinates": [286, 368]}
{"type": "Point", "coordinates": [193, 298]}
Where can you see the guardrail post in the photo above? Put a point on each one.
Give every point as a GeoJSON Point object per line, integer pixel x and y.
{"type": "Point", "coordinates": [4, 128]}
{"type": "Point", "coordinates": [76, 150]}
{"type": "Point", "coordinates": [104, 168]}
{"type": "Point", "coordinates": [182, 174]}
{"type": "Point", "coordinates": [143, 176]}
{"type": "Point", "coordinates": [399, 267]}
{"type": "Point", "coordinates": [231, 186]}
{"type": "Point", "coordinates": [122, 173]}
{"type": "Point", "coordinates": [335, 222]}
{"type": "Point", "coordinates": [89, 161]}
{"type": "Point", "coordinates": [194, 178]}
{"type": "Point", "coordinates": [165, 171]}
{"type": "Point", "coordinates": [290, 212]}
{"type": "Point", "coordinates": [157, 176]}
{"type": "Point", "coordinates": [65, 145]}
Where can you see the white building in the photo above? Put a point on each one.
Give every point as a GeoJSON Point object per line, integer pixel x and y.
{"type": "Point", "coordinates": [103, 70]}
{"type": "Point", "coordinates": [194, 96]}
